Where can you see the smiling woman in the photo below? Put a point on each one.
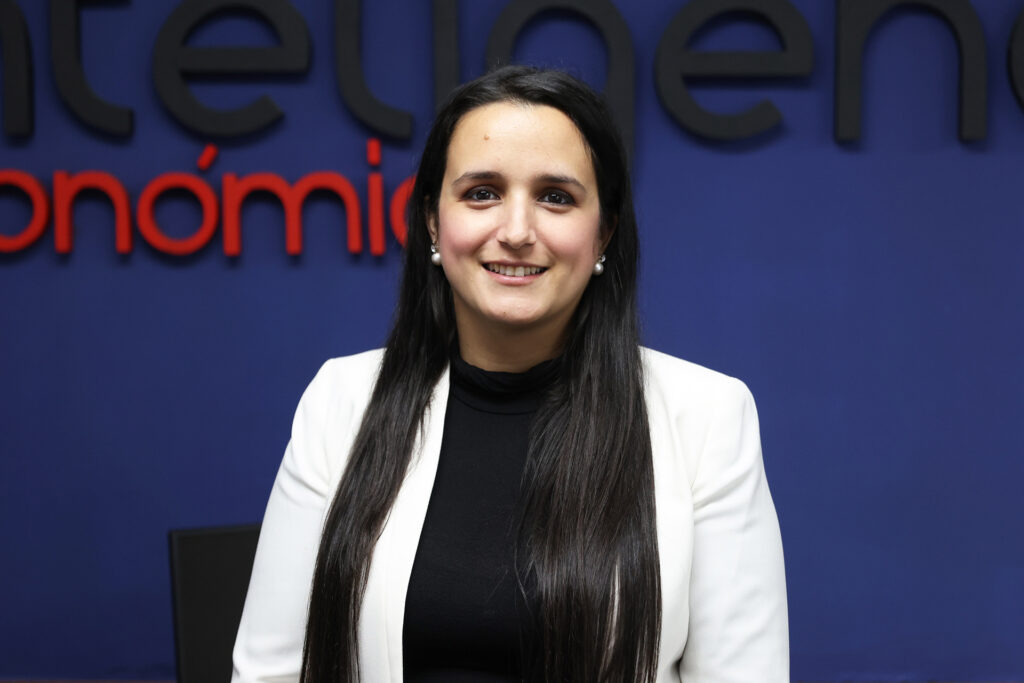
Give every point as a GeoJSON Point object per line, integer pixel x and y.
{"type": "Point", "coordinates": [519, 232]}
{"type": "Point", "coordinates": [514, 489]}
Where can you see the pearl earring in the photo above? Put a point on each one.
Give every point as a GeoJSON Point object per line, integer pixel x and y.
{"type": "Point", "coordinates": [435, 255]}
{"type": "Point", "coordinates": [599, 266]}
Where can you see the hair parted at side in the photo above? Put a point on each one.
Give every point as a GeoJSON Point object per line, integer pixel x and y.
{"type": "Point", "coordinates": [587, 535]}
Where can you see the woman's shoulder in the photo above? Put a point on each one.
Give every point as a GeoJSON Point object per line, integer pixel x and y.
{"type": "Point", "coordinates": [699, 417]}
{"type": "Point", "coordinates": [684, 375]}
{"type": "Point", "coordinates": [327, 418]}
{"type": "Point", "coordinates": [344, 383]}
{"type": "Point", "coordinates": [690, 387]}
{"type": "Point", "coordinates": [355, 370]}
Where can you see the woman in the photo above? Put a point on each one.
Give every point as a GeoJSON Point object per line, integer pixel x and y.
{"type": "Point", "coordinates": [515, 489]}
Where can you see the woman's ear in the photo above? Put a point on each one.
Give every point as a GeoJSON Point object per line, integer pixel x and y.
{"type": "Point", "coordinates": [431, 221]}
{"type": "Point", "coordinates": [607, 230]}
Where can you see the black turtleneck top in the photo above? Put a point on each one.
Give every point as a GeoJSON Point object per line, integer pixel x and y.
{"type": "Point", "coordinates": [465, 617]}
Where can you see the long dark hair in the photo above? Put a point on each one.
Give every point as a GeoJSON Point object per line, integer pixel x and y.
{"type": "Point", "coordinates": [587, 530]}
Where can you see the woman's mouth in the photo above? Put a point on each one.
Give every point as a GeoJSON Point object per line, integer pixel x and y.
{"type": "Point", "coordinates": [514, 271]}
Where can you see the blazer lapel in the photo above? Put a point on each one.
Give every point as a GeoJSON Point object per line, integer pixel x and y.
{"type": "Point", "coordinates": [383, 610]}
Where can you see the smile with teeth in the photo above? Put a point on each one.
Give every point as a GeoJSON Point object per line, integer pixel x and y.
{"type": "Point", "coordinates": [513, 271]}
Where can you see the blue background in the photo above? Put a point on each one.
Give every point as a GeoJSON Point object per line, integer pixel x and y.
{"type": "Point", "coordinates": [870, 295]}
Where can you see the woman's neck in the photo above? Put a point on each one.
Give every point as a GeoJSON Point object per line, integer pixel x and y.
{"type": "Point", "coordinates": [511, 350]}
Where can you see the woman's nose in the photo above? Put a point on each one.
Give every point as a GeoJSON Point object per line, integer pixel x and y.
{"type": "Point", "coordinates": [517, 229]}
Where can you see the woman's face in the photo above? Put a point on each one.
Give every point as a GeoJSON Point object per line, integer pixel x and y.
{"type": "Point", "coordinates": [518, 221]}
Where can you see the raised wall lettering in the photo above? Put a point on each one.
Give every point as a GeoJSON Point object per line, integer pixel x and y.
{"type": "Point", "coordinates": [173, 60]}
{"type": "Point", "coordinates": [1016, 59]}
{"type": "Point", "coordinates": [67, 187]}
{"type": "Point", "coordinates": [17, 55]}
{"type": "Point", "coordinates": [399, 205]}
{"type": "Point", "coordinates": [856, 19]}
{"type": "Point", "coordinates": [674, 63]}
{"type": "Point", "coordinates": [446, 50]}
{"type": "Point", "coordinates": [292, 198]}
{"type": "Point", "coordinates": [66, 61]}
{"type": "Point", "coordinates": [619, 86]}
{"type": "Point", "coordinates": [378, 116]}
{"type": "Point", "coordinates": [36, 194]}
{"type": "Point", "coordinates": [146, 218]}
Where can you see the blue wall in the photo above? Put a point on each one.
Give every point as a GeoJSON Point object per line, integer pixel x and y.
{"type": "Point", "coordinates": [869, 294]}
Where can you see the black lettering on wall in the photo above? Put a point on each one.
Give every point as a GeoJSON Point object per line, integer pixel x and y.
{"type": "Point", "coordinates": [173, 61]}
{"type": "Point", "coordinates": [446, 50]}
{"type": "Point", "coordinates": [619, 85]}
{"type": "Point", "coordinates": [348, 31]}
{"type": "Point", "coordinates": [675, 62]}
{"type": "Point", "coordinates": [17, 55]}
{"type": "Point", "coordinates": [856, 19]}
{"type": "Point", "coordinates": [66, 60]}
{"type": "Point", "coordinates": [1015, 59]}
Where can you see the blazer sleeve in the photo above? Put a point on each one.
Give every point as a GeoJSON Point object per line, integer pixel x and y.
{"type": "Point", "coordinates": [268, 646]}
{"type": "Point", "coordinates": [738, 623]}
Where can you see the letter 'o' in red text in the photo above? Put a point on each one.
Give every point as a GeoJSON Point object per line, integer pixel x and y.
{"type": "Point", "coordinates": [40, 210]}
{"type": "Point", "coordinates": [152, 233]}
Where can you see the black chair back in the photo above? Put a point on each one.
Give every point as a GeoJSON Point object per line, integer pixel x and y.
{"type": "Point", "coordinates": [210, 570]}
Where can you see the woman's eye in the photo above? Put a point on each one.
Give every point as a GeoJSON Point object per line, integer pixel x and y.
{"type": "Point", "coordinates": [556, 197]}
{"type": "Point", "coordinates": [481, 194]}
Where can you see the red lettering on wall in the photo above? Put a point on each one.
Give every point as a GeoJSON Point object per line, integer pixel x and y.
{"type": "Point", "coordinates": [375, 199]}
{"type": "Point", "coordinates": [234, 191]}
{"type": "Point", "coordinates": [399, 204]}
{"type": "Point", "coordinates": [66, 189]}
{"type": "Point", "coordinates": [40, 210]}
{"type": "Point", "coordinates": [373, 152]}
{"type": "Point", "coordinates": [292, 197]}
{"type": "Point", "coordinates": [147, 222]}
{"type": "Point", "coordinates": [207, 158]}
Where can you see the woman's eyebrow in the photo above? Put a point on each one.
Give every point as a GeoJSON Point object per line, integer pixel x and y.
{"type": "Point", "coordinates": [552, 178]}
{"type": "Point", "coordinates": [561, 180]}
{"type": "Point", "coordinates": [476, 175]}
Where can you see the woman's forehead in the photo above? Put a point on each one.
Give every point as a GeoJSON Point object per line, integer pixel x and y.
{"type": "Point", "coordinates": [513, 136]}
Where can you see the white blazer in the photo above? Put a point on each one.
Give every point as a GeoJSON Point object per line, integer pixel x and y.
{"type": "Point", "coordinates": [724, 616]}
